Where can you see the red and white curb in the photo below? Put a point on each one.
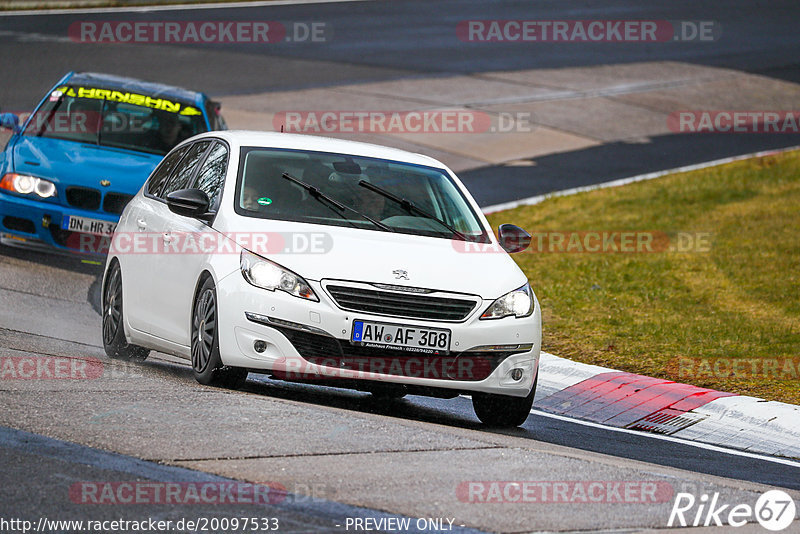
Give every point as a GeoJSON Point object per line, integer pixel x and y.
{"type": "Point", "coordinates": [616, 399]}
{"type": "Point", "coordinates": [625, 400]}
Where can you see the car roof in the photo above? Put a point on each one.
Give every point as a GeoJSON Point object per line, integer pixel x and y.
{"type": "Point", "coordinates": [110, 81]}
{"type": "Point", "coordinates": [318, 143]}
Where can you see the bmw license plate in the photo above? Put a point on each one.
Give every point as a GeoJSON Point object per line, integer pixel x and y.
{"type": "Point", "coordinates": [401, 337]}
{"type": "Point", "coordinates": [87, 226]}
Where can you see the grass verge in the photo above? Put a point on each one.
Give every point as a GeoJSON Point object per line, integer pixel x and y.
{"type": "Point", "coordinates": [713, 301]}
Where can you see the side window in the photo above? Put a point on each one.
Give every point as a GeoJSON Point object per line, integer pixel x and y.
{"type": "Point", "coordinates": [162, 172]}
{"type": "Point", "coordinates": [185, 169]}
{"type": "Point", "coordinates": [212, 174]}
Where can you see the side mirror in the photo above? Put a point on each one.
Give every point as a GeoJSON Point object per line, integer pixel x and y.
{"type": "Point", "coordinates": [188, 202]}
{"type": "Point", "coordinates": [10, 121]}
{"type": "Point", "coordinates": [513, 238]}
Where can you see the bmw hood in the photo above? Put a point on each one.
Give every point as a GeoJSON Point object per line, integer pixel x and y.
{"type": "Point", "coordinates": [68, 163]}
{"type": "Point", "coordinates": [324, 253]}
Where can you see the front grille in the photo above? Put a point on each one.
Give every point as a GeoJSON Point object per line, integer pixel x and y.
{"type": "Point", "coordinates": [83, 197]}
{"type": "Point", "coordinates": [411, 305]}
{"type": "Point", "coordinates": [116, 202]}
{"type": "Point", "coordinates": [338, 354]}
{"type": "Point", "coordinates": [19, 225]}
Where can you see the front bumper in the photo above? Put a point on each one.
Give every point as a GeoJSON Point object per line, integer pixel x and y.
{"type": "Point", "coordinates": [303, 340]}
{"type": "Point", "coordinates": [37, 224]}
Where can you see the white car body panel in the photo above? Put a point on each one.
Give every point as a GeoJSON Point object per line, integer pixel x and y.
{"type": "Point", "coordinates": [159, 288]}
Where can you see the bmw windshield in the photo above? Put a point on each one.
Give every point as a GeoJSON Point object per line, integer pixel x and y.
{"type": "Point", "coordinates": [344, 190]}
{"type": "Point", "coordinates": [119, 119]}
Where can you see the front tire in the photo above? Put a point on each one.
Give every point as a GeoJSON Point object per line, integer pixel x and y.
{"type": "Point", "coordinates": [206, 361]}
{"type": "Point", "coordinates": [114, 342]}
{"type": "Point", "coordinates": [503, 411]}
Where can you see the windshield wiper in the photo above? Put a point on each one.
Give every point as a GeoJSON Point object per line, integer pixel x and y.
{"type": "Point", "coordinates": [333, 203]}
{"type": "Point", "coordinates": [410, 207]}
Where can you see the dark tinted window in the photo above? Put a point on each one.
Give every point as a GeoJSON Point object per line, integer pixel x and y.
{"type": "Point", "coordinates": [183, 173]}
{"type": "Point", "coordinates": [263, 192]}
{"type": "Point", "coordinates": [212, 174]}
{"type": "Point", "coordinates": [163, 171]}
{"type": "Point", "coordinates": [116, 118]}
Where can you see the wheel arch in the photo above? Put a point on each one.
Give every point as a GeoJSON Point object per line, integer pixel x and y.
{"type": "Point", "coordinates": [205, 274]}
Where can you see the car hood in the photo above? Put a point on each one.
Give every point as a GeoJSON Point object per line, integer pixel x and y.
{"type": "Point", "coordinates": [336, 253]}
{"type": "Point", "coordinates": [79, 164]}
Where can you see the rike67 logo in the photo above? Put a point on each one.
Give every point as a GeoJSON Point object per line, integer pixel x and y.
{"type": "Point", "coordinates": [774, 510]}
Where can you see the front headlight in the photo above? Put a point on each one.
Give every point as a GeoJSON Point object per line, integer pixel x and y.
{"type": "Point", "coordinates": [24, 184]}
{"type": "Point", "coordinates": [518, 303]}
{"type": "Point", "coordinates": [265, 274]}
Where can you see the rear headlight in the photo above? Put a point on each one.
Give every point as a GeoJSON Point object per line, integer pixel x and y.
{"type": "Point", "coordinates": [517, 303]}
{"type": "Point", "coordinates": [24, 184]}
{"type": "Point", "coordinates": [269, 275]}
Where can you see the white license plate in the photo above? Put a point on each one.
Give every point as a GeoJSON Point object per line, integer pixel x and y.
{"type": "Point", "coordinates": [88, 226]}
{"type": "Point", "coordinates": [401, 337]}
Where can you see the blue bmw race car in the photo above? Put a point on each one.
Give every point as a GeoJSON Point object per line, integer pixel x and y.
{"type": "Point", "coordinates": [83, 153]}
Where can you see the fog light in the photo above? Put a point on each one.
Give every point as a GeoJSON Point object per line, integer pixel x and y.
{"type": "Point", "coordinates": [516, 374]}
{"type": "Point", "coordinates": [259, 346]}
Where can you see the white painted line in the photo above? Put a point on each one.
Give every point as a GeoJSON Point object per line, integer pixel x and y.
{"type": "Point", "coordinates": [624, 181]}
{"type": "Point", "coordinates": [30, 37]}
{"type": "Point", "coordinates": [171, 7]}
{"type": "Point", "coordinates": [706, 446]}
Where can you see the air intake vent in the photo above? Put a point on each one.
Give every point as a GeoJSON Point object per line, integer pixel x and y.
{"type": "Point", "coordinates": [83, 197]}
{"type": "Point", "coordinates": [410, 305]}
{"type": "Point", "coordinates": [19, 225]}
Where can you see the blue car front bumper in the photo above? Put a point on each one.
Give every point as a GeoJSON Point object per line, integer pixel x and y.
{"type": "Point", "coordinates": [37, 224]}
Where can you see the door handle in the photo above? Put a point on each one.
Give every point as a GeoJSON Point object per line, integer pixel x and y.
{"type": "Point", "coordinates": [168, 237]}
{"type": "Point", "coordinates": [142, 224]}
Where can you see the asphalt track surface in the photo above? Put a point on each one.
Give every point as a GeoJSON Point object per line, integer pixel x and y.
{"type": "Point", "coordinates": [49, 304]}
{"type": "Point", "coordinates": [382, 40]}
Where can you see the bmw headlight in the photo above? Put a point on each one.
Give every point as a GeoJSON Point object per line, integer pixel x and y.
{"type": "Point", "coordinates": [269, 275]}
{"type": "Point", "coordinates": [518, 303]}
{"type": "Point", "coordinates": [24, 184]}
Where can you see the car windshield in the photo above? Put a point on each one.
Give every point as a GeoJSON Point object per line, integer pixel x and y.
{"type": "Point", "coordinates": [117, 119]}
{"type": "Point", "coordinates": [344, 190]}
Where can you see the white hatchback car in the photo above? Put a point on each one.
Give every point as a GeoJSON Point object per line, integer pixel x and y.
{"type": "Point", "coordinates": [323, 261]}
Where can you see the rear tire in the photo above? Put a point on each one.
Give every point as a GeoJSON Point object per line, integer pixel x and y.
{"type": "Point", "coordinates": [503, 411]}
{"type": "Point", "coordinates": [114, 342]}
{"type": "Point", "coordinates": [206, 361]}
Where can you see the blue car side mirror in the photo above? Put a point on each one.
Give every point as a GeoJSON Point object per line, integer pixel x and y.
{"type": "Point", "coordinates": [10, 121]}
